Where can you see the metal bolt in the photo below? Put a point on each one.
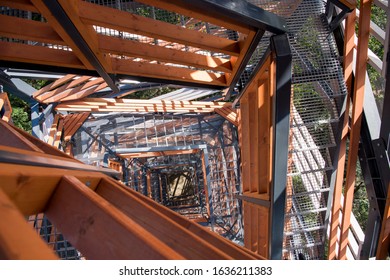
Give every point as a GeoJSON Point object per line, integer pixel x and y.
{"type": "Point", "coordinates": [88, 183]}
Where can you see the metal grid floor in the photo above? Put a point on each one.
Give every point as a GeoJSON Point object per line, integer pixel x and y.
{"type": "Point", "coordinates": [319, 91]}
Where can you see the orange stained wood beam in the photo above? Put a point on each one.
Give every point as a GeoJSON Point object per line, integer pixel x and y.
{"type": "Point", "coordinates": [147, 51]}
{"type": "Point", "coordinates": [229, 114]}
{"type": "Point", "coordinates": [10, 137]}
{"type": "Point", "coordinates": [349, 47]}
{"type": "Point", "coordinates": [84, 217]}
{"type": "Point", "coordinates": [255, 136]}
{"type": "Point", "coordinates": [39, 55]}
{"type": "Point", "coordinates": [384, 239]}
{"type": "Point", "coordinates": [162, 71]}
{"type": "Point", "coordinates": [357, 114]}
{"type": "Point", "coordinates": [168, 232]}
{"type": "Point", "coordinates": [25, 29]}
{"type": "Point", "coordinates": [56, 84]}
{"type": "Point", "coordinates": [228, 247]}
{"type": "Point", "coordinates": [18, 241]}
{"type": "Point", "coordinates": [65, 83]}
{"type": "Point", "coordinates": [158, 154]}
{"type": "Point", "coordinates": [181, 9]}
{"type": "Point", "coordinates": [46, 13]}
{"type": "Point", "coordinates": [135, 105]}
{"type": "Point", "coordinates": [72, 123]}
{"type": "Point", "coordinates": [124, 21]}
{"type": "Point", "coordinates": [24, 5]}
{"type": "Point", "coordinates": [88, 33]}
{"type": "Point", "coordinates": [6, 105]}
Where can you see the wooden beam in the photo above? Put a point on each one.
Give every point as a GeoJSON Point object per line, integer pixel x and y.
{"type": "Point", "coordinates": [69, 84]}
{"type": "Point", "coordinates": [245, 42]}
{"type": "Point", "coordinates": [228, 247]}
{"type": "Point", "coordinates": [72, 123]}
{"type": "Point", "coordinates": [168, 5]}
{"type": "Point", "coordinates": [10, 137]}
{"type": "Point", "coordinates": [18, 241]}
{"type": "Point", "coordinates": [124, 21]}
{"type": "Point", "coordinates": [134, 105]}
{"type": "Point", "coordinates": [357, 114]}
{"type": "Point", "coordinates": [24, 5]}
{"type": "Point", "coordinates": [132, 48]}
{"type": "Point", "coordinates": [349, 47]}
{"type": "Point", "coordinates": [84, 217]}
{"type": "Point", "coordinates": [46, 13]}
{"type": "Point", "coordinates": [6, 105]}
{"type": "Point", "coordinates": [58, 95]}
{"type": "Point", "coordinates": [25, 29]}
{"type": "Point", "coordinates": [44, 147]}
{"type": "Point", "coordinates": [58, 134]}
{"type": "Point", "coordinates": [169, 232]}
{"type": "Point", "coordinates": [87, 32]}
{"type": "Point", "coordinates": [57, 83]}
{"type": "Point", "coordinates": [229, 114]}
{"type": "Point", "coordinates": [159, 154]}
{"type": "Point", "coordinates": [383, 249]}
{"type": "Point", "coordinates": [38, 55]}
{"type": "Point", "coordinates": [160, 71]}
{"type": "Point", "coordinates": [31, 187]}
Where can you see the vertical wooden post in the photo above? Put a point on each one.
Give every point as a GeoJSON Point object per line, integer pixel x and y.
{"type": "Point", "coordinates": [384, 239]}
{"type": "Point", "coordinates": [357, 114]}
{"type": "Point", "coordinates": [349, 46]}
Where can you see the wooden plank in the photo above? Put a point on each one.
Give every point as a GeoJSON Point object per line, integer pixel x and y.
{"type": "Point", "coordinates": [84, 218]}
{"type": "Point", "coordinates": [349, 47]}
{"type": "Point", "coordinates": [53, 129]}
{"type": "Point", "coordinates": [83, 93]}
{"type": "Point", "coordinates": [24, 5]}
{"type": "Point", "coordinates": [68, 85]}
{"type": "Point", "coordinates": [244, 42]}
{"type": "Point", "coordinates": [10, 137]}
{"type": "Point", "coordinates": [38, 55]}
{"type": "Point", "coordinates": [132, 48]}
{"type": "Point", "coordinates": [124, 21]}
{"type": "Point", "coordinates": [6, 105]}
{"type": "Point", "coordinates": [87, 32]}
{"type": "Point", "coordinates": [159, 154]}
{"type": "Point", "coordinates": [181, 9]}
{"type": "Point", "coordinates": [61, 93]}
{"type": "Point", "coordinates": [57, 83]}
{"type": "Point", "coordinates": [58, 135]}
{"type": "Point", "coordinates": [170, 233]}
{"type": "Point", "coordinates": [77, 53]}
{"type": "Point", "coordinates": [228, 247]}
{"type": "Point", "coordinates": [357, 111]}
{"type": "Point", "coordinates": [245, 143]}
{"type": "Point", "coordinates": [383, 249]}
{"type": "Point", "coordinates": [254, 168]}
{"type": "Point", "coordinates": [75, 125]}
{"type": "Point", "coordinates": [265, 98]}
{"type": "Point", "coordinates": [133, 105]}
{"type": "Point", "coordinates": [25, 29]}
{"type": "Point", "coordinates": [31, 187]}
{"type": "Point", "coordinates": [229, 114]}
{"type": "Point", "coordinates": [160, 71]}
{"type": "Point", "coordinates": [18, 241]}
{"type": "Point", "coordinates": [47, 149]}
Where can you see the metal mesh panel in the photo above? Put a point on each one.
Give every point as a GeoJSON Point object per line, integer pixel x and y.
{"type": "Point", "coordinates": [318, 94]}
{"type": "Point", "coordinates": [101, 136]}
{"type": "Point", "coordinates": [55, 240]}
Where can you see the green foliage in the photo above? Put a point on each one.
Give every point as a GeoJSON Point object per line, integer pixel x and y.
{"type": "Point", "coordinates": [149, 93]}
{"type": "Point", "coordinates": [21, 113]}
{"type": "Point", "coordinates": [158, 14]}
{"type": "Point", "coordinates": [37, 84]}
